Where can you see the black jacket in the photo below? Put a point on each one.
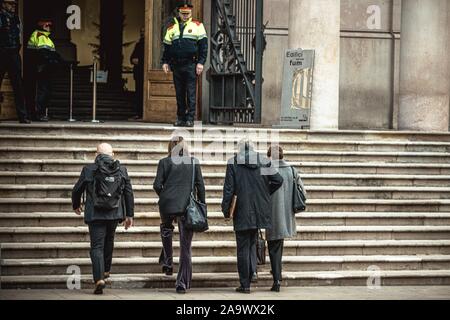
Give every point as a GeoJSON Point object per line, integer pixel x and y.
{"type": "Point", "coordinates": [85, 183]}
{"type": "Point", "coordinates": [173, 185]}
{"type": "Point", "coordinates": [138, 53]}
{"type": "Point", "coordinates": [10, 29]}
{"type": "Point", "coordinates": [250, 177]}
{"type": "Point", "coordinates": [185, 49]}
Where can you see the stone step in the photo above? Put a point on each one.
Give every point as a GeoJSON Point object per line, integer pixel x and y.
{"type": "Point", "coordinates": [214, 179]}
{"type": "Point", "coordinates": [306, 278]}
{"type": "Point", "coordinates": [69, 219]}
{"type": "Point", "coordinates": [45, 152]}
{"type": "Point", "coordinates": [17, 267]}
{"type": "Point", "coordinates": [214, 204]}
{"type": "Point", "coordinates": [123, 249]}
{"type": "Point", "coordinates": [72, 165]}
{"type": "Point", "coordinates": [78, 234]}
{"type": "Point", "coordinates": [213, 144]}
{"type": "Point", "coordinates": [239, 131]}
{"type": "Point", "coordinates": [314, 192]}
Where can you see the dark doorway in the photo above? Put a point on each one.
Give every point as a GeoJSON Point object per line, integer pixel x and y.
{"type": "Point", "coordinates": [111, 38]}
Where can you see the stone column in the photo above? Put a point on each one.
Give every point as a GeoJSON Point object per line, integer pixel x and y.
{"type": "Point", "coordinates": [315, 24]}
{"type": "Point", "coordinates": [424, 66]}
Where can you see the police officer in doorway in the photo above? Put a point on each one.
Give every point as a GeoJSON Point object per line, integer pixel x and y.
{"type": "Point", "coordinates": [45, 59]}
{"type": "Point", "coordinates": [10, 60]}
{"type": "Point", "coordinates": [185, 53]}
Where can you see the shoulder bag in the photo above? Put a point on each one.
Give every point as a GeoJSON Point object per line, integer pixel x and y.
{"type": "Point", "coordinates": [196, 216]}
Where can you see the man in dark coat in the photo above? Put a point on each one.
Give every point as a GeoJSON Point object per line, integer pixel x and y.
{"type": "Point", "coordinates": [250, 177]}
{"type": "Point", "coordinates": [137, 60]}
{"type": "Point", "coordinates": [103, 223]}
{"type": "Point", "coordinates": [10, 61]}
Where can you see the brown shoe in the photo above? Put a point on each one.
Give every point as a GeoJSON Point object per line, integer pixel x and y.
{"type": "Point", "coordinates": [106, 275]}
{"type": "Point", "coordinates": [99, 286]}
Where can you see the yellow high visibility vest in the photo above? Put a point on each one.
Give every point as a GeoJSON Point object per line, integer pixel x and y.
{"type": "Point", "coordinates": [193, 30]}
{"type": "Point", "coordinates": [41, 40]}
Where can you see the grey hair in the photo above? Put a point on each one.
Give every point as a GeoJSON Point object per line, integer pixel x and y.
{"type": "Point", "coordinates": [245, 144]}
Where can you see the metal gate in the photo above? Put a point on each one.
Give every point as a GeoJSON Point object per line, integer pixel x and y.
{"type": "Point", "coordinates": [237, 45]}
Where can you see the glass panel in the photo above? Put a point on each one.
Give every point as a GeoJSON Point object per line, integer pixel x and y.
{"type": "Point", "coordinates": [163, 13]}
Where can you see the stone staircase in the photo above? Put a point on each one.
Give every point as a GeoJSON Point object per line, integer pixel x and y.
{"type": "Point", "coordinates": [113, 103]}
{"type": "Point", "coordinates": [379, 206]}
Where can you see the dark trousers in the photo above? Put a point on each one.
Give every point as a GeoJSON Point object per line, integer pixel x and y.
{"type": "Point", "coordinates": [139, 93]}
{"type": "Point", "coordinates": [185, 80]}
{"type": "Point", "coordinates": [43, 92]}
{"type": "Point", "coordinates": [12, 64]}
{"type": "Point", "coordinates": [275, 254]}
{"type": "Point", "coordinates": [184, 277]}
{"type": "Point", "coordinates": [246, 255]}
{"type": "Point", "coordinates": [102, 246]}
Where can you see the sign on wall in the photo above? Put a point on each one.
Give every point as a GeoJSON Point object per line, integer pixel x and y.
{"type": "Point", "coordinates": [296, 94]}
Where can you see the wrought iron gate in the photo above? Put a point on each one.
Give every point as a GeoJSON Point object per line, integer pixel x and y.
{"type": "Point", "coordinates": [237, 45]}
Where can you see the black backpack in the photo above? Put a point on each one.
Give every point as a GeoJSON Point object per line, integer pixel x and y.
{"type": "Point", "coordinates": [108, 185]}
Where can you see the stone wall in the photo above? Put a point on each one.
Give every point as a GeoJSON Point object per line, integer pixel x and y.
{"type": "Point", "coordinates": [369, 69]}
{"type": "Point", "coordinates": [7, 105]}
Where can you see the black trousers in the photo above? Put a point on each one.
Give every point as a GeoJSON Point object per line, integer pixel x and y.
{"type": "Point", "coordinates": [102, 246]}
{"type": "Point", "coordinates": [185, 80]}
{"type": "Point", "coordinates": [275, 255]}
{"type": "Point", "coordinates": [12, 64]}
{"type": "Point", "coordinates": [246, 255]}
{"type": "Point", "coordinates": [184, 277]}
{"type": "Point", "coordinates": [43, 91]}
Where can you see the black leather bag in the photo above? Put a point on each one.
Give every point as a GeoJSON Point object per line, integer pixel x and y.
{"type": "Point", "coordinates": [260, 249]}
{"type": "Point", "coordinates": [298, 197]}
{"type": "Point", "coordinates": [196, 215]}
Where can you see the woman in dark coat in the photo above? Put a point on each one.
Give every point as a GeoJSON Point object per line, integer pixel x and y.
{"type": "Point", "coordinates": [173, 185]}
{"type": "Point", "coordinates": [283, 216]}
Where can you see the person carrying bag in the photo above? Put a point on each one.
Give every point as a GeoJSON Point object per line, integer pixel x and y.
{"type": "Point", "coordinates": [178, 178]}
{"type": "Point", "coordinates": [286, 202]}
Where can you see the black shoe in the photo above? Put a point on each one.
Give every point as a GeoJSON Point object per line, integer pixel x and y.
{"type": "Point", "coordinates": [25, 121]}
{"type": "Point", "coordinates": [243, 290]}
{"type": "Point", "coordinates": [168, 271]}
{"type": "Point", "coordinates": [179, 123]}
{"type": "Point", "coordinates": [42, 119]}
{"type": "Point", "coordinates": [99, 286]}
{"type": "Point", "coordinates": [254, 277]}
{"type": "Point", "coordinates": [276, 286]}
{"type": "Point", "coordinates": [189, 123]}
{"type": "Point", "coordinates": [180, 290]}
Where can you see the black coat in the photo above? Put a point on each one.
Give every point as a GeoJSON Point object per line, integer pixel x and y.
{"type": "Point", "coordinates": [251, 179]}
{"type": "Point", "coordinates": [173, 185]}
{"type": "Point", "coordinates": [138, 53]}
{"type": "Point", "coordinates": [10, 28]}
{"type": "Point", "coordinates": [85, 183]}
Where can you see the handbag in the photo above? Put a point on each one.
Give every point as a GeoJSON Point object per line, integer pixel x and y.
{"type": "Point", "coordinates": [298, 197]}
{"type": "Point", "coordinates": [196, 216]}
{"type": "Point", "coordinates": [260, 249]}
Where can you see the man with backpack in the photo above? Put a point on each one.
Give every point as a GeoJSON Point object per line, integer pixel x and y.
{"type": "Point", "coordinates": [109, 201]}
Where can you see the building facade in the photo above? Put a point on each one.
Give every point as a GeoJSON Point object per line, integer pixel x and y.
{"type": "Point", "coordinates": [380, 64]}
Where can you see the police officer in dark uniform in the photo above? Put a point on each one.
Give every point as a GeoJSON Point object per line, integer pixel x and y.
{"type": "Point", "coordinates": [185, 52]}
{"type": "Point", "coordinates": [10, 60]}
{"type": "Point", "coordinates": [45, 61]}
